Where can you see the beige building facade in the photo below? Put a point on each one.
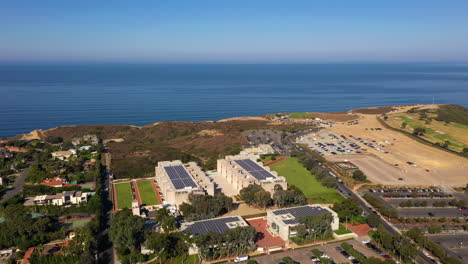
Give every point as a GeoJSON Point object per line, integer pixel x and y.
{"type": "Point", "coordinates": [177, 181]}
{"type": "Point", "coordinates": [281, 221]}
{"type": "Point", "coordinates": [242, 170]}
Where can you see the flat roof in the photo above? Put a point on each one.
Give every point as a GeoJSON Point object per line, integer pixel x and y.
{"type": "Point", "coordinates": [254, 169]}
{"type": "Point", "coordinates": [291, 215]}
{"type": "Point", "coordinates": [218, 225]}
{"type": "Point", "coordinates": [180, 178]}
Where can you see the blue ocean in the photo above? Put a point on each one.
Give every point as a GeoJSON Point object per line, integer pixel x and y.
{"type": "Point", "coordinates": [42, 96]}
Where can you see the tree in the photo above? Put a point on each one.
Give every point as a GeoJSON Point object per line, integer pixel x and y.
{"type": "Point", "coordinates": [373, 220]}
{"type": "Point", "coordinates": [419, 131]}
{"type": "Point", "coordinates": [358, 175]}
{"type": "Point", "coordinates": [126, 231]}
{"type": "Point", "coordinates": [403, 125]}
{"type": "Point", "coordinates": [347, 209]}
{"type": "Point", "coordinates": [168, 245]}
{"type": "Point", "coordinates": [433, 229]}
{"type": "Point", "coordinates": [206, 206]}
{"type": "Point", "coordinates": [385, 117]}
{"type": "Point", "coordinates": [263, 199]}
{"type": "Point", "coordinates": [248, 193]}
{"type": "Point", "coordinates": [54, 139]}
{"type": "Point", "coordinates": [446, 144]}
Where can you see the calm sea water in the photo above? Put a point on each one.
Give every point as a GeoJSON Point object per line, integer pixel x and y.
{"type": "Point", "coordinates": [48, 95]}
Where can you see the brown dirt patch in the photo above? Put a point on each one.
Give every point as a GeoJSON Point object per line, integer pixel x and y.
{"type": "Point", "coordinates": [210, 133]}
{"type": "Point", "coordinates": [434, 166]}
{"type": "Point", "coordinates": [374, 110]}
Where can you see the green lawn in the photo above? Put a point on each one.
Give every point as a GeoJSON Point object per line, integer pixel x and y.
{"type": "Point", "coordinates": [298, 175]}
{"type": "Point", "coordinates": [148, 197]}
{"type": "Point", "coordinates": [80, 223]}
{"type": "Point", "coordinates": [124, 195]}
{"type": "Point", "coordinates": [342, 230]}
{"type": "Point", "coordinates": [300, 115]}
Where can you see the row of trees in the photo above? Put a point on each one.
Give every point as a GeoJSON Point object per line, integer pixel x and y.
{"type": "Point", "coordinates": [321, 175]}
{"type": "Point", "coordinates": [206, 206]}
{"type": "Point", "coordinates": [256, 195]}
{"type": "Point", "coordinates": [380, 206]}
{"type": "Point", "coordinates": [417, 235]}
{"type": "Point", "coordinates": [399, 245]}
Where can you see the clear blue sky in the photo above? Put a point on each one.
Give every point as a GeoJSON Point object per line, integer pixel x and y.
{"type": "Point", "coordinates": [234, 31]}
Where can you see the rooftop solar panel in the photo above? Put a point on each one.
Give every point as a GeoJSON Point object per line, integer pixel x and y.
{"type": "Point", "coordinates": [254, 169]}
{"type": "Point", "coordinates": [212, 225]}
{"type": "Point", "coordinates": [298, 212]}
{"type": "Point", "coordinates": [180, 177]}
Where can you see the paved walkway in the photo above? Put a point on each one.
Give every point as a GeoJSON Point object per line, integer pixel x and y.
{"type": "Point", "coordinates": [264, 238]}
{"type": "Point", "coordinates": [17, 186]}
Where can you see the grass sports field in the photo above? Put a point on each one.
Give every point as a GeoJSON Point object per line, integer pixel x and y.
{"type": "Point", "coordinates": [124, 195]}
{"type": "Point", "coordinates": [147, 195]}
{"type": "Point", "coordinates": [298, 175]}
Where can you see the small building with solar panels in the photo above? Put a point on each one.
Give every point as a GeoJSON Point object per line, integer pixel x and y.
{"type": "Point", "coordinates": [177, 181]}
{"type": "Point", "coordinates": [280, 221]}
{"type": "Point", "coordinates": [217, 225]}
{"type": "Point", "coordinates": [242, 170]}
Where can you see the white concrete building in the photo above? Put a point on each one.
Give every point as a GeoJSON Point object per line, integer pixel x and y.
{"type": "Point", "coordinates": [280, 221]}
{"type": "Point", "coordinates": [177, 181]}
{"type": "Point", "coordinates": [242, 170]}
{"type": "Point", "coordinates": [62, 155]}
{"type": "Point", "coordinates": [65, 198]}
{"type": "Point", "coordinates": [258, 150]}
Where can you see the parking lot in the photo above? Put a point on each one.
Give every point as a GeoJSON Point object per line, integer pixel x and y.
{"type": "Point", "coordinates": [456, 243]}
{"type": "Point", "coordinates": [332, 251]}
{"type": "Point", "coordinates": [266, 136]}
{"type": "Point", "coordinates": [422, 202]}
{"type": "Point", "coordinates": [328, 143]}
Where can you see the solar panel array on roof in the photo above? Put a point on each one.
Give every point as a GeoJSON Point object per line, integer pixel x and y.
{"type": "Point", "coordinates": [298, 212]}
{"type": "Point", "coordinates": [180, 177]}
{"type": "Point", "coordinates": [253, 168]}
{"type": "Point", "coordinates": [213, 225]}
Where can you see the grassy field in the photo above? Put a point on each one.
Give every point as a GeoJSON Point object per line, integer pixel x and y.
{"type": "Point", "coordinates": [436, 131]}
{"type": "Point", "coordinates": [298, 175]}
{"type": "Point", "coordinates": [124, 195]}
{"type": "Point", "coordinates": [148, 197]}
{"type": "Point", "coordinates": [301, 115]}
{"type": "Point", "coordinates": [342, 230]}
{"type": "Point", "coordinates": [80, 223]}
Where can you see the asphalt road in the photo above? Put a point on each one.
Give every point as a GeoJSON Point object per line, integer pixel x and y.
{"type": "Point", "coordinates": [106, 249]}
{"type": "Point", "coordinates": [347, 192]}
{"type": "Point", "coordinates": [17, 185]}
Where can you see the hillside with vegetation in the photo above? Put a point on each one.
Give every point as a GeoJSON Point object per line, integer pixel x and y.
{"type": "Point", "coordinates": [445, 126]}
{"type": "Point", "coordinates": [137, 149]}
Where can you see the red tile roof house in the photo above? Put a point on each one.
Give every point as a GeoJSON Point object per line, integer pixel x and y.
{"type": "Point", "coordinates": [27, 255]}
{"type": "Point", "coordinates": [56, 182]}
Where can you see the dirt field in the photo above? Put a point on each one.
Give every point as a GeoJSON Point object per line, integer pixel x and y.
{"type": "Point", "coordinates": [433, 166]}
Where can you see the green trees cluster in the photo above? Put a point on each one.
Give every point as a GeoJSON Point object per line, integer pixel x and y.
{"type": "Point", "coordinates": [457, 203]}
{"type": "Point", "coordinates": [417, 235]}
{"type": "Point", "coordinates": [314, 227]}
{"type": "Point", "coordinates": [165, 220]}
{"type": "Point", "coordinates": [348, 210]}
{"type": "Point", "coordinates": [168, 245]}
{"type": "Point", "coordinates": [236, 241]}
{"type": "Point", "coordinates": [380, 206]}
{"type": "Point", "coordinates": [126, 232]}
{"type": "Point", "coordinates": [358, 175]}
{"type": "Point", "coordinates": [255, 195]}
{"type": "Point", "coordinates": [22, 230]}
{"type": "Point", "coordinates": [399, 245]}
{"type": "Point", "coordinates": [206, 206]}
